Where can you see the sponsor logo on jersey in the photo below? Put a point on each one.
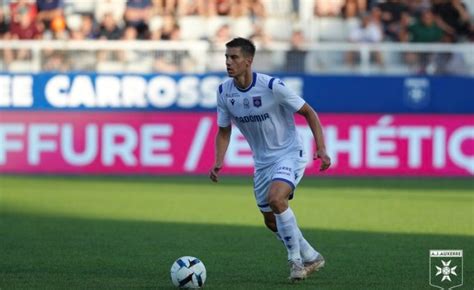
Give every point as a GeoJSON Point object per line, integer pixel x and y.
{"type": "Point", "coordinates": [253, 118]}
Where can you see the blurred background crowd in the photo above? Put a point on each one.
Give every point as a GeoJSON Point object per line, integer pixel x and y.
{"type": "Point", "coordinates": [298, 22]}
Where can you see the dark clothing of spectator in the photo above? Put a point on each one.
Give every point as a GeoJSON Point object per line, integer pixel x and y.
{"type": "Point", "coordinates": [114, 34]}
{"type": "Point", "coordinates": [422, 33]}
{"type": "Point", "coordinates": [391, 16]}
{"type": "Point", "coordinates": [452, 17]}
{"type": "Point", "coordinates": [48, 5]}
{"type": "Point", "coordinates": [139, 20]}
{"type": "Point", "coordinates": [140, 4]}
{"type": "Point", "coordinates": [4, 28]}
{"type": "Point", "coordinates": [394, 9]}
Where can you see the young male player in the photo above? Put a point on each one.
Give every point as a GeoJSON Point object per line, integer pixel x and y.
{"type": "Point", "coordinates": [263, 109]}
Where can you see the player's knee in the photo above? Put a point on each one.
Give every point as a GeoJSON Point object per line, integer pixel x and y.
{"type": "Point", "coordinates": [277, 202]}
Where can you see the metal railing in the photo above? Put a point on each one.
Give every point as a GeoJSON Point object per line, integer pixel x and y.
{"type": "Point", "coordinates": [202, 57]}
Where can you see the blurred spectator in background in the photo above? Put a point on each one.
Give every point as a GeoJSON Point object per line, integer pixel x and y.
{"type": "Point", "coordinates": [19, 8]}
{"type": "Point", "coordinates": [175, 61]}
{"type": "Point", "coordinates": [222, 7]}
{"type": "Point", "coordinates": [392, 11]}
{"type": "Point", "coordinates": [256, 10]}
{"type": "Point", "coordinates": [161, 7]}
{"type": "Point", "coordinates": [416, 7]}
{"type": "Point", "coordinates": [470, 35]}
{"type": "Point", "coordinates": [114, 7]}
{"type": "Point", "coordinates": [4, 34]}
{"type": "Point", "coordinates": [425, 30]}
{"type": "Point", "coordinates": [4, 25]}
{"type": "Point", "coordinates": [328, 7]}
{"type": "Point", "coordinates": [352, 8]}
{"type": "Point", "coordinates": [89, 28]}
{"type": "Point", "coordinates": [295, 58]}
{"type": "Point", "coordinates": [401, 29]}
{"type": "Point", "coordinates": [25, 27]}
{"type": "Point", "coordinates": [263, 60]}
{"type": "Point", "coordinates": [54, 60]}
{"type": "Point", "coordinates": [129, 56]}
{"type": "Point", "coordinates": [452, 17]}
{"type": "Point", "coordinates": [168, 27]}
{"type": "Point", "coordinates": [369, 31]}
{"type": "Point", "coordinates": [259, 36]}
{"type": "Point", "coordinates": [138, 14]}
{"type": "Point", "coordinates": [50, 11]}
{"type": "Point", "coordinates": [58, 28]}
{"type": "Point", "coordinates": [217, 44]}
{"type": "Point", "coordinates": [109, 29]}
{"type": "Point", "coordinates": [222, 36]}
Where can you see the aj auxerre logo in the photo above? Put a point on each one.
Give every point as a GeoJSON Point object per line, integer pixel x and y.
{"type": "Point", "coordinates": [446, 268]}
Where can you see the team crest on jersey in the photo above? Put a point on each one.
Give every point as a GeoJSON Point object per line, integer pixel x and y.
{"type": "Point", "coordinates": [246, 103]}
{"type": "Point", "coordinates": [257, 101]}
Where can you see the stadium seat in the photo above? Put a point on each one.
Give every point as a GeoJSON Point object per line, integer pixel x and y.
{"type": "Point", "coordinates": [241, 26]}
{"type": "Point", "coordinates": [192, 27]}
{"type": "Point", "coordinates": [278, 8]}
{"type": "Point", "coordinates": [278, 28]}
{"type": "Point", "coordinates": [20, 66]}
{"type": "Point", "coordinates": [110, 67]}
{"type": "Point", "coordinates": [213, 24]}
{"type": "Point", "coordinates": [329, 29]}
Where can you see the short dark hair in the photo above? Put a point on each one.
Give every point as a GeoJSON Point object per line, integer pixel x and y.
{"type": "Point", "coordinates": [246, 45]}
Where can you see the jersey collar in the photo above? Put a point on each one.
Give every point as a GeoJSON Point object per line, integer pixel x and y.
{"type": "Point", "coordinates": [254, 80]}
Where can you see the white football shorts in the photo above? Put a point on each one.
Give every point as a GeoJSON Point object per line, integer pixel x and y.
{"type": "Point", "coordinates": [289, 169]}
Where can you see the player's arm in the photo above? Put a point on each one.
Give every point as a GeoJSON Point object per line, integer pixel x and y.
{"type": "Point", "coordinates": [295, 103]}
{"type": "Point", "coordinates": [222, 142]}
{"type": "Point", "coordinates": [317, 129]}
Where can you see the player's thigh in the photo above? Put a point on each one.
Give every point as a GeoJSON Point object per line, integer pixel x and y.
{"type": "Point", "coordinates": [261, 183]}
{"type": "Point", "coordinates": [287, 174]}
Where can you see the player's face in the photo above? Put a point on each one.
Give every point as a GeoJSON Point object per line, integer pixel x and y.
{"type": "Point", "coordinates": [235, 62]}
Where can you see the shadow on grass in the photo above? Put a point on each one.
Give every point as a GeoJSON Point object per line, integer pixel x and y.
{"type": "Point", "coordinates": [52, 252]}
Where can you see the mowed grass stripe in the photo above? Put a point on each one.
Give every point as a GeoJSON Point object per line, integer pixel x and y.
{"type": "Point", "coordinates": [124, 233]}
{"type": "Point", "coordinates": [399, 206]}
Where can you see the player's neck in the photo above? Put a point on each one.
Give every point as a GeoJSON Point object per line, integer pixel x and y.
{"type": "Point", "coordinates": [243, 81]}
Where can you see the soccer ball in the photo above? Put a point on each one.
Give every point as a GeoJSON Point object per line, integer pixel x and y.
{"type": "Point", "coordinates": [188, 272]}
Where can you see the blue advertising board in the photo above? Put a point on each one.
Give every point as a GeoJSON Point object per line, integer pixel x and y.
{"type": "Point", "coordinates": [164, 92]}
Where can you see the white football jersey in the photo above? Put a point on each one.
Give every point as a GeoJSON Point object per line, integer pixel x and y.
{"type": "Point", "coordinates": [264, 113]}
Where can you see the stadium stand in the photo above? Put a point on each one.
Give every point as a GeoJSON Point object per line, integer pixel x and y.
{"type": "Point", "coordinates": [271, 24]}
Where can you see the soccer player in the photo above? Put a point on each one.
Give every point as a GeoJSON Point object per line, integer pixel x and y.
{"type": "Point", "coordinates": [263, 108]}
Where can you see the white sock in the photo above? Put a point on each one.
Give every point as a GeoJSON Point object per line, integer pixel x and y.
{"type": "Point", "coordinates": [289, 232]}
{"type": "Point", "coordinates": [307, 252]}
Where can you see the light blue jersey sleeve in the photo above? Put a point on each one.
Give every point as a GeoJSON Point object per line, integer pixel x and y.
{"type": "Point", "coordinates": [223, 115]}
{"type": "Point", "coordinates": [287, 97]}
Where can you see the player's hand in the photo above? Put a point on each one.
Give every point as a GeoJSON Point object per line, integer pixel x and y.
{"type": "Point", "coordinates": [214, 173]}
{"type": "Point", "coordinates": [325, 159]}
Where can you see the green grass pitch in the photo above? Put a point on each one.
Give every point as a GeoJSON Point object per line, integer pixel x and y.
{"type": "Point", "coordinates": [123, 233]}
